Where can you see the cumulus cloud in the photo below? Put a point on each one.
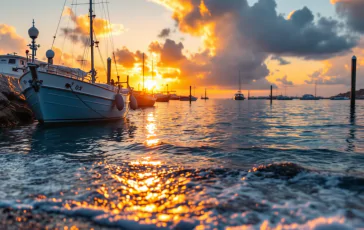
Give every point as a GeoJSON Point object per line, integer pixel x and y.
{"type": "Point", "coordinates": [80, 31]}
{"type": "Point", "coordinates": [164, 33]}
{"type": "Point", "coordinates": [352, 11]}
{"type": "Point", "coordinates": [281, 60]}
{"type": "Point", "coordinates": [320, 77]}
{"type": "Point", "coordinates": [240, 37]}
{"type": "Point", "coordinates": [11, 41]}
{"type": "Point", "coordinates": [284, 81]}
{"type": "Point", "coordinates": [171, 53]}
{"type": "Point", "coordinates": [127, 58]}
{"type": "Point", "coordinates": [171, 57]}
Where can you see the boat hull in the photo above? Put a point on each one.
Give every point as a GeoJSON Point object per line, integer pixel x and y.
{"type": "Point", "coordinates": [239, 98]}
{"type": "Point", "coordinates": [188, 98]}
{"type": "Point", "coordinates": [54, 102]}
{"type": "Point", "coordinates": [145, 100]}
{"type": "Point", "coordinates": [164, 98]}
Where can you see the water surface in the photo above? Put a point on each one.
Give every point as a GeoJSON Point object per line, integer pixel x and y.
{"type": "Point", "coordinates": [216, 164]}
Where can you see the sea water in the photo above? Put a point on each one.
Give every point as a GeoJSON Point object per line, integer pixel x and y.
{"type": "Point", "coordinates": [218, 164]}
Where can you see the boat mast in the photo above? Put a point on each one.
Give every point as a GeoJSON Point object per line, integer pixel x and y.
{"type": "Point", "coordinates": [143, 72]}
{"type": "Point", "coordinates": [205, 94]}
{"type": "Point", "coordinates": [315, 88]}
{"type": "Point", "coordinates": [152, 69]}
{"type": "Point", "coordinates": [239, 82]}
{"type": "Point", "coordinates": [93, 73]}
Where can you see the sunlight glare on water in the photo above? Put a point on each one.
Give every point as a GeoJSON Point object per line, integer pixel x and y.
{"type": "Point", "coordinates": [213, 165]}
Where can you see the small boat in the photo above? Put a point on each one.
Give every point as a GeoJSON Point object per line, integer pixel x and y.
{"type": "Point", "coordinates": [174, 97]}
{"type": "Point", "coordinates": [339, 98]}
{"type": "Point", "coordinates": [144, 99]}
{"type": "Point", "coordinates": [162, 97]}
{"type": "Point", "coordinates": [13, 65]}
{"type": "Point", "coordinates": [309, 97]}
{"type": "Point", "coordinates": [187, 98]}
{"type": "Point", "coordinates": [205, 97]}
{"type": "Point", "coordinates": [284, 98]}
{"type": "Point", "coordinates": [239, 96]}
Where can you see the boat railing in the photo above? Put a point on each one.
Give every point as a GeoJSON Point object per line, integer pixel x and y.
{"type": "Point", "coordinates": [62, 71]}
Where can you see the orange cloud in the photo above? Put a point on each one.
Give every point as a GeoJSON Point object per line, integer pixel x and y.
{"type": "Point", "coordinates": [202, 27]}
{"type": "Point", "coordinates": [10, 40]}
{"type": "Point", "coordinates": [290, 15]}
{"type": "Point", "coordinates": [81, 28]}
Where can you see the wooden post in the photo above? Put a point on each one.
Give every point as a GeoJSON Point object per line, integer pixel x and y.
{"type": "Point", "coordinates": [271, 94]}
{"type": "Point", "coordinates": [190, 94]}
{"type": "Point", "coordinates": [353, 82]}
{"type": "Point", "coordinates": [108, 71]}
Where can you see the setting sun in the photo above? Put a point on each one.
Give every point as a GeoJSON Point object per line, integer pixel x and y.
{"type": "Point", "coordinates": [150, 84]}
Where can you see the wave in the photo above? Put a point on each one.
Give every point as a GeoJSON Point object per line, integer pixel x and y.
{"type": "Point", "coordinates": [147, 194]}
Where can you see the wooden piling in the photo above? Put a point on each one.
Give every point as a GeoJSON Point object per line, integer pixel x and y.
{"type": "Point", "coordinates": [108, 71]}
{"type": "Point", "coordinates": [190, 94]}
{"type": "Point", "coordinates": [353, 82]}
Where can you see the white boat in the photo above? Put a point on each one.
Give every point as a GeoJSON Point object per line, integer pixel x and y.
{"type": "Point", "coordinates": [61, 94]}
{"type": "Point", "coordinates": [284, 98]}
{"type": "Point", "coordinates": [13, 65]}
{"type": "Point", "coordinates": [309, 97]}
{"type": "Point", "coordinates": [239, 96]}
{"type": "Point", "coordinates": [339, 98]}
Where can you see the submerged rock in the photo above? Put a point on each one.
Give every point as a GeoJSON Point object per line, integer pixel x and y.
{"type": "Point", "coordinates": [13, 107]}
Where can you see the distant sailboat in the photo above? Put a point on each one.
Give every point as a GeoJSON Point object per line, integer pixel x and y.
{"type": "Point", "coordinates": [239, 96]}
{"type": "Point", "coordinates": [143, 98]}
{"type": "Point", "coordinates": [162, 97]}
{"type": "Point", "coordinates": [205, 98]}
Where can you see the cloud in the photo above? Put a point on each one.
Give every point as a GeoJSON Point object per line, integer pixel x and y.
{"type": "Point", "coordinates": [128, 58]}
{"type": "Point", "coordinates": [80, 31]}
{"type": "Point", "coordinates": [171, 57]}
{"type": "Point", "coordinates": [319, 77]}
{"type": "Point", "coordinates": [171, 53]}
{"type": "Point", "coordinates": [284, 81]}
{"type": "Point", "coordinates": [11, 41]}
{"type": "Point", "coordinates": [67, 59]}
{"type": "Point", "coordinates": [281, 60]}
{"type": "Point", "coordinates": [337, 70]}
{"type": "Point", "coordinates": [352, 11]}
{"type": "Point", "coordinates": [238, 36]}
{"type": "Point", "coordinates": [164, 33]}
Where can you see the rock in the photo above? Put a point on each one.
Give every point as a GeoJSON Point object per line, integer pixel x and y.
{"type": "Point", "coordinates": [13, 107]}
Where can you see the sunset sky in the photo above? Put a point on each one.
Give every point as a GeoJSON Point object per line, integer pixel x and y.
{"type": "Point", "coordinates": [288, 43]}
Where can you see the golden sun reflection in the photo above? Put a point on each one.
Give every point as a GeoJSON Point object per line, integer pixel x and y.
{"type": "Point", "coordinates": [151, 128]}
{"type": "Point", "coordinates": [146, 191]}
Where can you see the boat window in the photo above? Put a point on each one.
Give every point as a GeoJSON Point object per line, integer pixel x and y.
{"type": "Point", "coordinates": [12, 61]}
{"type": "Point", "coordinates": [22, 62]}
{"type": "Point", "coordinates": [3, 61]}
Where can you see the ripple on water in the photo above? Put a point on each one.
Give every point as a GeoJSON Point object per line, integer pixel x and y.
{"type": "Point", "coordinates": [147, 194]}
{"type": "Point", "coordinates": [210, 165]}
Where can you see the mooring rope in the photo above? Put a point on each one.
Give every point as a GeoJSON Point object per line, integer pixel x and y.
{"type": "Point", "coordinates": [69, 86]}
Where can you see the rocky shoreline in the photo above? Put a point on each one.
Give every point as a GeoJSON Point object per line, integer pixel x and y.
{"type": "Point", "coordinates": [13, 107]}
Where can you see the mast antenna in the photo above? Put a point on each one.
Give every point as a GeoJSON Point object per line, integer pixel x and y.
{"type": "Point", "coordinates": [239, 82]}
{"type": "Point", "coordinates": [93, 72]}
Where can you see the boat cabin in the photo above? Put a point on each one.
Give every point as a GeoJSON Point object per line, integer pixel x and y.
{"type": "Point", "coordinates": [12, 65]}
